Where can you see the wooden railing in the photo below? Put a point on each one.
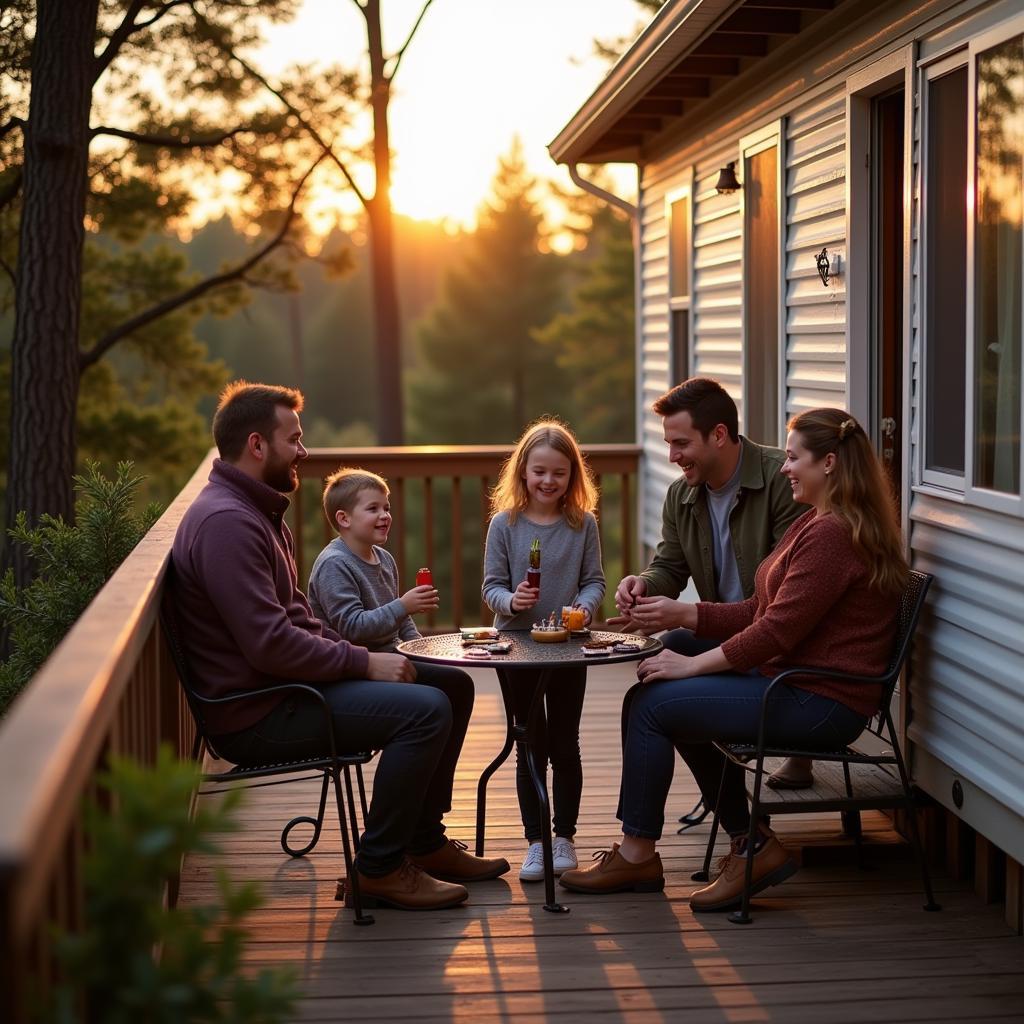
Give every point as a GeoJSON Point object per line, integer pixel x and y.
{"type": "Point", "coordinates": [110, 688]}
{"type": "Point", "coordinates": [440, 500]}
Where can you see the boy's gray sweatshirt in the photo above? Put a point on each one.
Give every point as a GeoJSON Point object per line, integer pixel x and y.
{"type": "Point", "coordinates": [570, 568]}
{"type": "Point", "coordinates": [358, 600]}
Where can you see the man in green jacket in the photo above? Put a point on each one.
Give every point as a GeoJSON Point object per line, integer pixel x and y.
{"type": "Point", "coordinates": [719, 521]}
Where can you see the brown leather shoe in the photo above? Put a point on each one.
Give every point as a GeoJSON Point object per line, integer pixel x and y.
{"type": "Point", "coordinates": [611, 872]}
{"type": "Point", "coordinates": [454, 863]}
{"type": "Point", "coordinates": [407, 888]}
{"type": "Point", "coordinates": [771, 865]}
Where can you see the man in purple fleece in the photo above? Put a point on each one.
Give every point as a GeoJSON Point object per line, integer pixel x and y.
{"type": "Point", "coordinates": [247, 626]}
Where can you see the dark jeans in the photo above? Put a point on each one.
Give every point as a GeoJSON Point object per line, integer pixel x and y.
{"type": "Point", "coordinates": [686, 715]}
{"type": "Point", "coordinates": [418, 728]}
{"type": "Point", "coordinates": [560, 743]}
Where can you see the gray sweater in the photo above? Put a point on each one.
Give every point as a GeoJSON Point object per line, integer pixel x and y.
{"type": "Point", "coordinates": [358, 600]}
{"type": "Point", "coordinates": [570, 568]}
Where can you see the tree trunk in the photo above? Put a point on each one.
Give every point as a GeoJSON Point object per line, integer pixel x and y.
{"type": "Point", "coordinates": [44, 349]}
{"type": "Point", "coordinates": [386, 315]}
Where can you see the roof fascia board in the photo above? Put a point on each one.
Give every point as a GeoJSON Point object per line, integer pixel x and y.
{"type": "Point", "coordinates": [676, 28]}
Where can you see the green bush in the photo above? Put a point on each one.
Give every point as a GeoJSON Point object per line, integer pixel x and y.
{"type": "Point", "coordinates": [71, 564]}
{"type": "Point", "coordinates": [138, 960]}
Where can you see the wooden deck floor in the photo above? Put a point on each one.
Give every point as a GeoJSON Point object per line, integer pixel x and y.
{"type": "Point", "coordinates": [833, 944]}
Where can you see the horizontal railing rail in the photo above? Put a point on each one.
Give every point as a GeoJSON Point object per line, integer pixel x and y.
{"type": "Point", "coordinates": [440, 498]}
{"type": "Point", "coordinates": [110, 687]}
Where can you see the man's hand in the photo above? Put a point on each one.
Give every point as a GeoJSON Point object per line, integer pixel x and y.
{"type": "Point", "coordinates": [420, 599]}
{"type": "Point", "coordinates": [391, 668]}
{"type": "Point", "coordinates": [652, 614]}
{"type": "Point", "coordinates": [524, 597]}
{"type": "Point", "coordinates": [665, 665]}
{"type": "Point", "coordinates": [627, 592]}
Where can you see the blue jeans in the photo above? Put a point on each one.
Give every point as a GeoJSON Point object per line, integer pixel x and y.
{"type": "Point", "coordinates": [686, 715]}
{"type": "Point", "coordinates": [418, 728]}
{"type": "Point", "coordinates": [560, 744]}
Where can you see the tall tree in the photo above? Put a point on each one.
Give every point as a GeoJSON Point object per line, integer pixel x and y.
{"type": "Point", "coordinates": [129, 104]}
{"type": "Point", "coordinates": [593, 341]}
{"type": "Point", "coordinates": [482, 375]}
{"type": "Point", "coordinates": [387, 315]}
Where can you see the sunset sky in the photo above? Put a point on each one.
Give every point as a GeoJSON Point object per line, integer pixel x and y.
{"type": "Point", "coordinates": [477, 73]}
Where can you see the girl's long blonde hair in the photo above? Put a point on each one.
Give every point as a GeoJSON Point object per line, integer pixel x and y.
{"type": "Point", "coordinates": [510, 495]}
{"type": "Point", "coordinates": [858, 492]}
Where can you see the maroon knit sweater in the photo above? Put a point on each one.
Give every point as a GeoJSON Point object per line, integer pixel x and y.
{"type": "Point", "coordinates": [246, 623]}
{"type": "Point", "coordinates": [812, 606]}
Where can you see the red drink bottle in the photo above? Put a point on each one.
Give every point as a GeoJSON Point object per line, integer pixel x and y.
{"type": "Point", "coordinates": [533, 577]}
{"type": "Point", "coordinates": [424, 578]}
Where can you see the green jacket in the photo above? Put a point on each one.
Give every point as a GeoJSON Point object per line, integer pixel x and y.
{"type": "Point", "coordinates": [763, 512]}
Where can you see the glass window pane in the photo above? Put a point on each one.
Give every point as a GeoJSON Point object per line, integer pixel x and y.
{"type": "Point", "coordinates": [997, 266]}
{"type": "Point", "coordinates": [680, 364]}
{"type": "Point", "coordinates": [945, 243]}
{"type": "Point", "coordinates": [679, 248]}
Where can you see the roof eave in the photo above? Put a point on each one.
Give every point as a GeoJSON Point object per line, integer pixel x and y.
{"type": "Point", "coordinates": [676, 28]}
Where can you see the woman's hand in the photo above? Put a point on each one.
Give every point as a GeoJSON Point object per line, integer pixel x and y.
{"type": "Point", "coordinates": [664, 665]}
{"type": "Point", "coordinates": [524, 596]}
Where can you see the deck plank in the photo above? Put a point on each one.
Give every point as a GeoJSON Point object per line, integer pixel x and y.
{"type": "Point", "coordinates": [833, 944]}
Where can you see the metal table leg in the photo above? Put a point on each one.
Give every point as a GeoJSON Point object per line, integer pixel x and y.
{"type": "Point", "coordinates": [485, 775]}
{"type": "Point", "coordinates": [535, 723]}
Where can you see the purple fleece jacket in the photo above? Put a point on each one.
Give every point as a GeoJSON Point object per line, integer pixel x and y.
{"type": "Point", "coordinates": [246, 623]}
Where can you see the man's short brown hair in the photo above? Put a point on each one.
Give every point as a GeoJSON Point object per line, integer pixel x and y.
{"type": "Point", "coordinates": [342, 488]}
{"type": "Point", "coordinates": [707, 402]}
{"type": "Point", "coordinates": [245, 409]}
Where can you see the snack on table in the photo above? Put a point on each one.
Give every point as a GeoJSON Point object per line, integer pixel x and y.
{"type": "Point", "coordinates": [499, 647]}
{"type": "Point", "coordinates": [625, 647]}
{"type": "Point", "coordinates": [478, 633]}
{"type": "Point", "coordinates": [595, 650]}
{"type": "Point", "coordinates": [477, 652]}
{"type": "Point", "coordinates": [549, 631]}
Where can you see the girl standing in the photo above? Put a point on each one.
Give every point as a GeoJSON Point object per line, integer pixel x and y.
{"type": "Point", "coordinates": [546, 494]}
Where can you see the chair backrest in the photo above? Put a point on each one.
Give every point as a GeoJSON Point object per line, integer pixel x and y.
{"type": "Point", "coordinates": [911, 605]}
{"type": "Point", "coordinates": [170, 622]}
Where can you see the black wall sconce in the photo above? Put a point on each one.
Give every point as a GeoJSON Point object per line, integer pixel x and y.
{"type": "Point", "coordinates": [828, 266]}
{"type": "Point", "coordinates": [727, 182]}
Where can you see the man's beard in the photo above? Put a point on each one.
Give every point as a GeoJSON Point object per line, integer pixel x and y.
{"type": "Point", "coordinates": [278, 474]}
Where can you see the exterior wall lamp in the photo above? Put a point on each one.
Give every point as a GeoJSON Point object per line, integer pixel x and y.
{"type": "Point", "coordinates": [727, 182]}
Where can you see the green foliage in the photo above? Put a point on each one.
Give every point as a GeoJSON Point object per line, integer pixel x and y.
{"type": "Point", "coordinates": [72, 563]}
{"type": "Point", "coordinates": [482, 376]}
{"type": "Point", "coordinates": [138, 960]}
{"type": "Point", "coordinates": [593, 342]}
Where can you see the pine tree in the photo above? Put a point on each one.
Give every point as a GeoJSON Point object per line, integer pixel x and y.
{"type": "Point", "coordinates": [482, 374]}
{"type": "Point", "coordinates": [593, 342]}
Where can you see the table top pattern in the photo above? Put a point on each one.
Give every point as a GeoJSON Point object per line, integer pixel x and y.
{"type": "Point", "coordinates": [447, 648]}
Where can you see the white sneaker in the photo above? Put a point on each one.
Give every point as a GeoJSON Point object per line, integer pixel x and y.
{"type": "Point", "coordinates": [563, 855]}
{"type": "Point", "coordinates": [533, 865]}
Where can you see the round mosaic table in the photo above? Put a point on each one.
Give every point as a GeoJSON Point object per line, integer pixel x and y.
{"type": "Point", "coordinates": [449, 649]}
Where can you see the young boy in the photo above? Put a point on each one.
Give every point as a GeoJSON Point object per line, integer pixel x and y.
{"type": "Point", "coordinates": [353, 588]}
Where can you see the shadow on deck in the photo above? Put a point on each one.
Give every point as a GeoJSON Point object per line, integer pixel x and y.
{"type": "Point", "coordinates": [833, 944]}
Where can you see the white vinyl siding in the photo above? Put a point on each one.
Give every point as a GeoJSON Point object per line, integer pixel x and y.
{"type": "Point", "coordinates": [815, 181]}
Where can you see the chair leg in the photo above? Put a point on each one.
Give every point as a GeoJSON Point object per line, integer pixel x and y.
{"type": "Point", "coordinates": [851, 820]}
{"type": "Point", "coordinates": [742, 916]}
{"type": "Point", "coordinates": [362, 792]}
{"type": "Point", "coordinates": [351, 874]}
{"type": "Point", "coordinates": [353, 821]}
{"type": "Point", "coordinates": [694, 817]}
{"type": "Point", "coordinates": [305, 819]}
{"type": "Point", "coordinates": [704, 875]}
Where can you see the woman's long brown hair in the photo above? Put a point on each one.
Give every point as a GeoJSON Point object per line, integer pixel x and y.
{"type": "Point", "coordinates": [858, 492]}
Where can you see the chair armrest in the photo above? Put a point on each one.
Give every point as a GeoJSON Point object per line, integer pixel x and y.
{"type": "Point", "coordinates": [299, 689]}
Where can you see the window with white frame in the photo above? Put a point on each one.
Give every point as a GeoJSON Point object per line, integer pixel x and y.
{"type": "Point", "coordinates": [972, 260]}
{"type": "Point", "coordinates": [680, 272]}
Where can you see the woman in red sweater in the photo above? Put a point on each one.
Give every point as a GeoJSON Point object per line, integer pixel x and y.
{"type": "Point", "coordinates": [827, 595]}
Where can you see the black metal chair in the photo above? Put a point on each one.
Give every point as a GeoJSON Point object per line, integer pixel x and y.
{"type": "Point", "coordinates": [899, 794]}
{"type": "Point", "coordinates": [329, 768]}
